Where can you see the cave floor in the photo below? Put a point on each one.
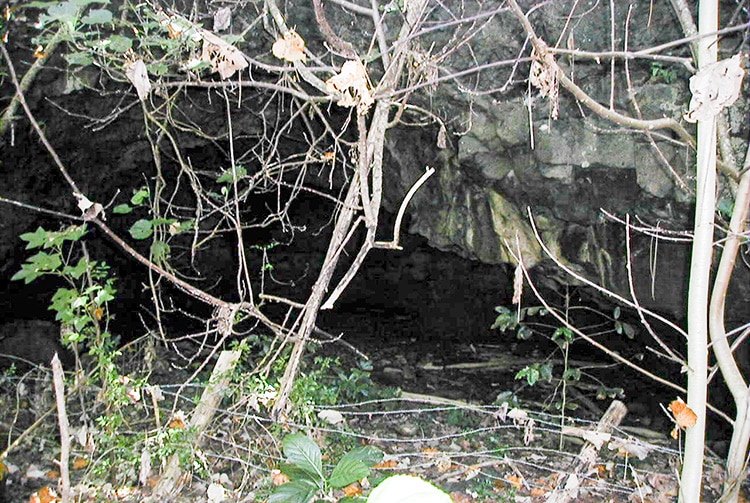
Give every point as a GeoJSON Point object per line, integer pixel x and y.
{"type": "Point", "coordinates": [462, 422]}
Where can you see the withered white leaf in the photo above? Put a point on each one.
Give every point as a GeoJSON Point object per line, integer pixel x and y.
{"type": "Point", "coordinates": [136, 73]}
{"type": "Point", "coordinates": [715, 87]}
{"type": "Point", "coordinates": [442, 138]}
{"type": "Point", "coordinates": [216, 493]}
{"type": "Point", "coordinates": [222, 19]}
{"type": "Point", "coordinates": [517, 284]}
{"type": "Point", "coordinates": [145, 470]}
{"type": "Point", "coordinates": [223, 57]}
{"type": "Point", "coordinates": [290, 47]}
{"type": "Point", "coordinates": [630, 447]}
{"type": "Point", "coordinates": [598, 438]}
{"type": "Point", "coordinates": [332, 416]}
{"type": "Point", "coordinates": [353, 86]}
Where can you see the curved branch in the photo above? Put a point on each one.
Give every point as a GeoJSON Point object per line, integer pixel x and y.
{"type": "Point", "coordinates": [549, 60]}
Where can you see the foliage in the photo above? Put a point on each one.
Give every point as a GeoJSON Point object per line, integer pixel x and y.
{"type": "Point", "coordinates": [325, 382]}
{"type": "Point", "coordinates": [527, 321]}
{"type": "Point", "coordinates": [307, 475]}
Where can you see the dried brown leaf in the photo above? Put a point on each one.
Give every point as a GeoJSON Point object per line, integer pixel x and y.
{"type": "Point", "coordinates": [290, 47]}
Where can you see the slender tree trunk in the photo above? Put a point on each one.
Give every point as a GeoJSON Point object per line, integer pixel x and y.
{"type": "Point", "coordinates": [700, 271]}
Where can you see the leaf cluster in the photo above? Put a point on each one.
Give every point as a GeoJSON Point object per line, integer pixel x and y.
{"type": "Point", "coordinates": [307, 476]}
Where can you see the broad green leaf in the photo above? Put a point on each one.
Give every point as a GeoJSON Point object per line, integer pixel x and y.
{"type": "Point", "coordinates": [97, 16]}
{"type": "Point", "coordinates": [36, 239]}
{"type": "Point", "coordinates": [348, 471]}
{"type": "Point", "coordinates": [296, 491]}
{"type": "Point", "coordinates": [80, 322]}
{"type": "Point", "coordinates": [44, 261]}
{"type": "Point", "coordinates": [73, 233]}
{"type": "Point", "coordinates": [120, 44]}
{"type": "Point", "coordinates": [369, 455]}
{"type": "Point", "coordinates": [27, 275]}
{"type": "Point", "coordinates": [64, 12]}
{"type": "Point", "coordinates": [122, 209]}
{"type": "Point", "coordinates": [294, 472]}
{"type": "Point", "coordinates": [104, 295]}
{"type": "Point", "coordinates": [142, 229]}
{"type": "Point", "coordinates": [79, 58]}
{"type": "Point", "coordinates": [78, 270]}
{"type": "Point", "coordinates": [162, 221]}
{"type": "Point", "coordinates": [83, 3]}
{"type": "Point", "coordinates": [407, 489]}
{"type": "Point", "coordinates": [303, 452]}
{"type": "Point", "coordinates": [39, 5]}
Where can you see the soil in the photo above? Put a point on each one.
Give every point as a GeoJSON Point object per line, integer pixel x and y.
{"type": "Point", "coordinates": [447, 427]}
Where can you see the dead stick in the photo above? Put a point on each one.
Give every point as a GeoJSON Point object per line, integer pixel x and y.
{"type": "Point", "coordinates": [567, 489]}
{"type": "Point", "coordinates": [58, 380]}
{"type": "Point", "coordinates": [200, 419]}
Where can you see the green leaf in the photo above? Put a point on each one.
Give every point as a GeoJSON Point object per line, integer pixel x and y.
{"type": "Point", "coordinates": [78, 270]}
{"type": "Point", "coordinates": [506, 319]}
{"type": "Point", "coordinates": [72, 337]}
{"type": "Point", "coordinates": [157, 69]}
{"type": "Point", "coordinates": [405, 488]}
{"type": "Point", "coordinates": [39, 5]}
{"type": "Point", "coordinates": [296, 491]}
{"type": "Point", "coordinates": [73, 233]}
{"type": "Point", "coordinates": [119, 44]}
{"type": "Point", "coordinates": [83, 3]}
{"type": "Point", "coordinates": [369, 455]}
{"type": "Point", "coordinates": [122, 209]}
{"type": "Point", "coordinates": [294, 472]}
{"type": "Point", "coordinates": [97, 16]}
{"type": "Point", "coordinates": [725, 208]}
{"type": "Point", "coordinates": [37, 239]}
{"type": "Point", "coordinates": [64, 12]}
{"type": "Point", "coordinates": [140, 196]}
{"type": "Point", "coordinates": [304, 453]}
{"type": "Point", "coordinates": [159, 250]}
{"type": "Point", "coordinates": [104, 295]}
{"type": "Point", "coordinates": [79, 58]}
{"type": "Point", "coordinates": [228, 175]}
{"type": "Point", "coordinates": [562, 336]}
{"type": "Point", "coordinates": [142, 229]}
{"type": "Point", "coordinates": [572, 375]}
{"type": "Point", "coordinates": [162, 221]}
{"type": "Point", "coordinates": [530, 373]}
{"type": "Point", "coordinates": [80, 322]}
{"type": "Point", "coordinates": [27, 275]}
{"type": "Point", "coordinates": [348, 471]}
{"type": "Point", "coordinates": [545, 371]}
{"type": "Point", "coordinates": [524, 333]}
{"type": "Point", "coordinates": [44, 261]}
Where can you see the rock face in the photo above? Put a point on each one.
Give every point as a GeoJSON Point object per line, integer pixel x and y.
{"type": "Point", "coordinates": [579, 176]}
{"type": "Point", "coordinates": [506, 162]}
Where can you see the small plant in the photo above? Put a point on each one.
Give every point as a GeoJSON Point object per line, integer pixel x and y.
{"type": "Point", "coordinates": [307, 477]}
{"type": "Point", "coordinates": [326, 382]}
{"type": "Point", "coordinates": [660, 72]}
